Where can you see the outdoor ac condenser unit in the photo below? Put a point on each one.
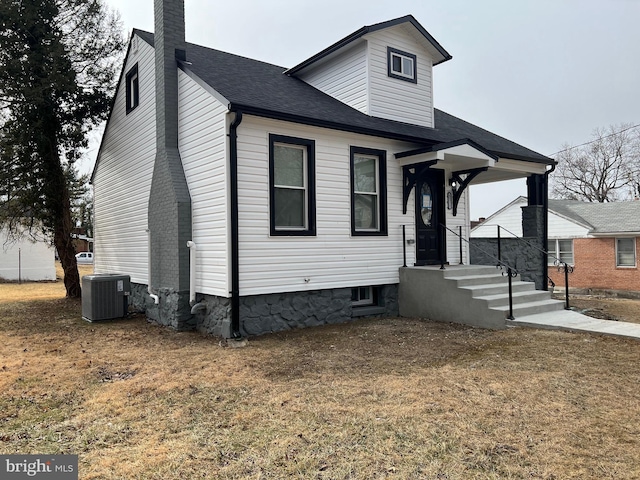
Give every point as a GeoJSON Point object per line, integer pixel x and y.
{"type": "Point", "coordinates": [105, 296]}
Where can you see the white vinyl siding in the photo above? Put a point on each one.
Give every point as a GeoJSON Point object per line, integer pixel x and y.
{"type": "Point", "coordinates": [396, 99]}
{"type": "Point", "coordinates": [122, 179]}
{"type": "Point", "coordinates": [344, 78]}
{"type": "Point", "coordinates": [333, 258]}
{"type": "Point", "coordinates": [561, 227]}
{"type": "Point", "coordinates": [203, 142]}
{"type": "Point", "coordinates": [454, 223]}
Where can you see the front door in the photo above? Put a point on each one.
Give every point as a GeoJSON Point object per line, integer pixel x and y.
{"type": "Point", "coordinates": [429, 215]}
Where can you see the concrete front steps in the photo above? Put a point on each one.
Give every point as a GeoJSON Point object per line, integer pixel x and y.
{"type": "Point", "coordinates": [472, 295]}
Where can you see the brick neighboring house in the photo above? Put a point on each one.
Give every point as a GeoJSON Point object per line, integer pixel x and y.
{"type": "Point", "coordinates": [81, 241]}
{"type": "Point", "coordinates": [599, 239]}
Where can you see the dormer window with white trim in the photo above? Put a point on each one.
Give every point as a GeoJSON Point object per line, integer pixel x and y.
{"type": "Point", "coordinates": [401, 65]}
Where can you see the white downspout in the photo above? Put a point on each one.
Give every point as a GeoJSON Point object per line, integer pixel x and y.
{"type": "Point", "coordinates": [155, 298]}
{"type": "Point", "coordinates": [195, 307]}
{"type": "Point", "coordinates": [192, 272]}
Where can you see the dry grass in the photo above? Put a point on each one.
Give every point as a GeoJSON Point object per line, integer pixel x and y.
{"type": "Point", "coordinates": [394, 398]}
{"type": "Point", "coordinates": [29, 291]}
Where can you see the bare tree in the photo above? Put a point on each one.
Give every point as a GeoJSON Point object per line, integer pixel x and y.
{"type": "Point", "coordinates": [603, 170]}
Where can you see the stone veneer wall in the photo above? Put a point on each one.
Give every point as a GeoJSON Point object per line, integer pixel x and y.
{"type": "Point", "coordinates": [260, 314]}
{"type": "Point", "coordinates": [525, 254]}
{"type": "Point", "coordinates": [173, 309]}
{"type": "Point", "coordinates": [514, 252]}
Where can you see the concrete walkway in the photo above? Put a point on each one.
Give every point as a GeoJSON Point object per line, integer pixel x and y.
{"type": "Point", "coordinates": [576, 322]}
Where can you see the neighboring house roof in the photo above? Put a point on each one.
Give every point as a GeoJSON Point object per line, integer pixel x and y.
{"type": "Point", "coordinates": [441, 55]}
{"type": "Point", "coordinates": [263, 89]}
{"type": "Point", "coordinates": [602, 218]}
{"type": "Point", "coordinates": [518, 201]}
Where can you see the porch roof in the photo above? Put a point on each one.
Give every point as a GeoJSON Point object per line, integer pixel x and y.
{"type": "Point", "coordinates": [466, 155]}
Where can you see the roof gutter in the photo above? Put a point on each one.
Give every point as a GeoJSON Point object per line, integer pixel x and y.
{"type": "Point", "coordinates": [615, 234]}
{"type": "Point", "coordinates": [287, 117]}
{"type": "Point", "coordinates": [235, 258]}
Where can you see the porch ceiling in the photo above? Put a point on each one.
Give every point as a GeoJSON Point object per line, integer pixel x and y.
{"type": "Point", "coordinates": [466, 155]}
{"type": "Point", "coordinates": [508, 169]}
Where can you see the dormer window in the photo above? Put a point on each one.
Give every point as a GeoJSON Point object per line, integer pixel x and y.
{"type": "Point", "coordinates": [401, 65]}
{"type": "Point", "coordinates": [133, 89]}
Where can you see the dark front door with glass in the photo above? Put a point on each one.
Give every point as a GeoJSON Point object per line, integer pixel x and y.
{"type": "Point", "coordinates": [429, 215]}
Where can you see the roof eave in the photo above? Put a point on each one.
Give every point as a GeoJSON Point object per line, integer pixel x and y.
{"type": "Point", "coordinates": [368, 29]}
{"type": "Point", "coordinates": [634, 233]}
{"type": "Point", "coordinates": [524, 158]}
{"type": "Point", "coordinates": [275, 115]}
{"type": "Point", "coordinates": [443, 146]}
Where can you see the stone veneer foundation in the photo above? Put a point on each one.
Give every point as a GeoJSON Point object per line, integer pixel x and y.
{"type": "Point", "coordinates": [260, 314]}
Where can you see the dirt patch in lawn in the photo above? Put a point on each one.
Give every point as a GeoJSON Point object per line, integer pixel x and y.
{"type": "Point", "coordinates": [606, 308]}
{"type": "Point", "coordinates": [374, 398]}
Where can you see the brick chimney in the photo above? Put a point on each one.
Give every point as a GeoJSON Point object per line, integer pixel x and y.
{"type": "Point", "coordinates": [169, 200]}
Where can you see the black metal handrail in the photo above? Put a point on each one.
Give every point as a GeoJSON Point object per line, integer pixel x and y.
{"type": "Point", "coordinates": [558, 263]}
{"type": "Point", "coordinates": [511, 272]}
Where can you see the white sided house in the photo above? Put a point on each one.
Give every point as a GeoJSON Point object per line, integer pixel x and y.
{"type": "Point", "coordinates": [598, 240]}
{"type": "Point", "coordinates": [26, 259]}
{"type": "Point", "coordinates": [243, 197]}
{"type": "Point", "coordinates": [562, 224]}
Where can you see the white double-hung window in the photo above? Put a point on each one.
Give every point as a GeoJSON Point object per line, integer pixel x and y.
{"type": "Point", "coordinates": [368, 192]}
{"type": "Point", "coordinates": [560, 250]}
{"type": "Point", "coordinates": [292, 185]}
{"type": "Point", "coordinates": [625, 252]}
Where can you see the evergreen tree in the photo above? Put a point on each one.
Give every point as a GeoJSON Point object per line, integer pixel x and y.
{"type": "Point", "coordinates": [58, 63]}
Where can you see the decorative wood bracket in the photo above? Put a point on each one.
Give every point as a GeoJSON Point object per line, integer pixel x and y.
{"type": "Point", "coordinates": [410, 175]}
{"type": "Point", "coordinates": [463, 183]}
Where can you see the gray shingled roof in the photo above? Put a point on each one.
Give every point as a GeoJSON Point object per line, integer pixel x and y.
{"type": "Point", "coordinates": [262, 89]}
{"type": "Point", "coordinates": [601, 218]}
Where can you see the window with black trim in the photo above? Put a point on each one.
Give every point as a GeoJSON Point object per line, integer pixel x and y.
{"type": "Point", "coordinates": [368, 191]}
{"type": "Point", "coordinates": [401, 65]}
{"type": "Point", "coordinates": [132, 88]}
{"type": "Point", "coordinates": [292, 185]}
{"type": "Point", "coordinates": [625, 252]}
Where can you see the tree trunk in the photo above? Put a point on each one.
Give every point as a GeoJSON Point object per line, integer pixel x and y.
{"type": "Point", "coordinates": [67, 253]}
{"type": "Point", "coordinates": [57, 193]}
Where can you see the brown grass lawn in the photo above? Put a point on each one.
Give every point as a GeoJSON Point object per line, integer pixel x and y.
{"type": "Point", "coordinates": [385, 398]}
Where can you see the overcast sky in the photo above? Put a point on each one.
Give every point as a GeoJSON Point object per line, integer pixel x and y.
{"type": "Point", "coordinates": [539, 72]}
